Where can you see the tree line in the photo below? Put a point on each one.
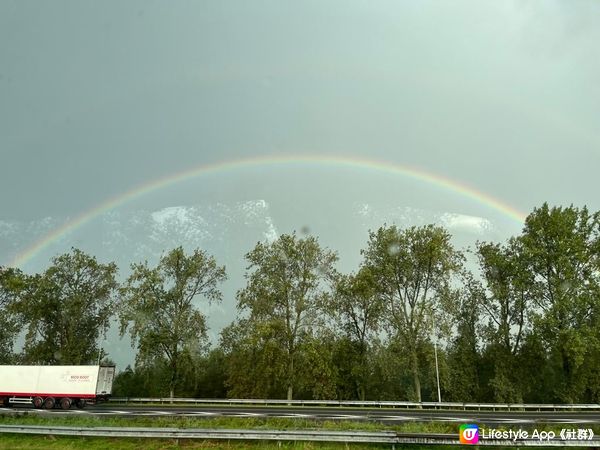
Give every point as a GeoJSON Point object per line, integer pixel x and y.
{"type": "Point", "coordinates": [517, 321]}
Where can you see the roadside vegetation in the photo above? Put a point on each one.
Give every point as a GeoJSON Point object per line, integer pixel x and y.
{"type": "Point", "coordinates": [34, 442]}
{"type": "Point", "coordinates": [226, 422]}
{"type": "Point", "coordinates": [134, 444]}
{"type": "Point", "coordinates": [265, 423]}
{"type": "Point", "coordinates": [64, 443]}
{"type": "Point", "coordinates": [516, 321]}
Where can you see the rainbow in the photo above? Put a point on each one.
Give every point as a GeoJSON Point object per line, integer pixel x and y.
{"type": "Point", "coordinates": [266, 161]}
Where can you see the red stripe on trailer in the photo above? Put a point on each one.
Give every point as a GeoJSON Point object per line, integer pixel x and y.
{"type": "Point", "coordinates": [43, 394]}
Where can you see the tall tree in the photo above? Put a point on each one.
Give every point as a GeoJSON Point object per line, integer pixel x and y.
{"type": "Point", "coordinates": [11, 284]}
{"type": "Point", "coordinates": [286, 284]}
{"type": "Point", "coordinates": [357, 309]}
{"type": "Point", "coordinates": [159, 311]}
{"type": "Point", "coordinates": [412, 269]}
{"type": "Point", "coordinates": [506, 303]}
{"type": "Point", "coordinates": [507, 298]}
{"type": "Point", "coordinates": [67, 308]}
{"type": "Point", "coordinates": [464, 307]}
{"type": "Point", "coordinates": [561, 248]}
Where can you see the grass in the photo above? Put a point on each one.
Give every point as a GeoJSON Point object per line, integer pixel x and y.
{"type": "Point", "coordinates": [225, 422]}
{"type": "Point", "coordinates": [44, 442]}
{"type": "Point", "coordinates": [8, 441]}
{"type": "Point", "coordinates": [15, 442]}
{"type": "Point", "coordinates": [271, 423]}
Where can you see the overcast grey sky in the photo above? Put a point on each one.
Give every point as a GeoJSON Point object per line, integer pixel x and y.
{"type": "Point", "coordinates": [98, 97]}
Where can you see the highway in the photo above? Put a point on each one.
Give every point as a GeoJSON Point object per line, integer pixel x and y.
{"type": "Point", "coordinates": [331, 413]}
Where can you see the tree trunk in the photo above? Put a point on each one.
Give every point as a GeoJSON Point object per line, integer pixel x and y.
{"type": "Point", "coordinates": [290, 389]}
{"type": "Point", "coordinates": [361, 385]}
{"type": "Point", "coordinates": [416, 379]}
{"type": "Point", "coordinates": [173, 379]}
{"type": "Point", "coordinates": [361, 393]}
{"type": "Point", "coordinates": [566, 388]}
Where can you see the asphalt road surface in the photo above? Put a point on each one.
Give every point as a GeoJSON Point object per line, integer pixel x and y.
{"type": "Point", "coordinates": [331, 413]}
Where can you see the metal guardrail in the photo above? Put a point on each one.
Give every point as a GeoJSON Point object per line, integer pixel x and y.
{"type": "Point", "coordinates": [371, 404]}
{"type": "Point", "coordinates": [383, 437]}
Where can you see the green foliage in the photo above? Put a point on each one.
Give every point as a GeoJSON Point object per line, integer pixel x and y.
{"type": "Point", "coordinates": [464, 361]}
{"type": "Point", "coordinates": [130, 383]}
{"type": "Point", "coordinates": [560, 249]}
{"type": "Point", "coordinates": [159, 312]}
{"type": "Point", "coordinates": [524, 327]}
{"type": "Point", "coordinates": [287, 281]}
{"type": "Point", "coordinates": [392, 377]}
{"type": "Point", "coordinates": [255, 360]}
{"type": "Point", "coordinates": [506, 301]}
{"type": "Point", "coordinates": [212, 375]}
{"type": "Point", "coordinates": [317, 375]}
{"type": "Point", "coordinates": [357, 310]}
{"type": "Point", "coordinates": [66, 309]}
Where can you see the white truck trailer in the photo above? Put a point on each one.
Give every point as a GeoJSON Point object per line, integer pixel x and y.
{"type": "Point", "coordinates": [50, 386]}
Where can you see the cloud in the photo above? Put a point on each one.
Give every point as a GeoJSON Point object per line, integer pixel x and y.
{"type": "Point", "coordinates": [472, 224]}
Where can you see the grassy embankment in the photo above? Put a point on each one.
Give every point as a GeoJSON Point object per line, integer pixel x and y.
{"type": "Point", "coordinates": [51, 442]}
{"type": "Point", "coordinates": [63, 443]}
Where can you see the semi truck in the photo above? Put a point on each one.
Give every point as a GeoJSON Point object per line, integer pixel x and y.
{"type": "Point", "coordinates": [55, 386]}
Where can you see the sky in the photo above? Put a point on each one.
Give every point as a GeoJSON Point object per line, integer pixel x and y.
{"type": "Point", "coordinates": [99, 98]}
{"type": "Point", "coordinates": [469, 113]}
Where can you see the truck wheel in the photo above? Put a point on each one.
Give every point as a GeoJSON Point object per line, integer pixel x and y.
{"type": "Point", "coordinates": [49, 403]}
{"type": "Point", "coordinates": [37, 402]}
{"type": "Point", "coordinates": [65, 403]}
{"type": "Point", "coordinates": [81, 403]}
